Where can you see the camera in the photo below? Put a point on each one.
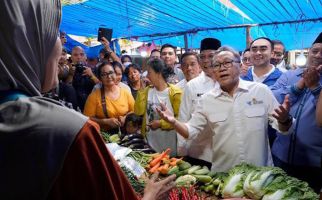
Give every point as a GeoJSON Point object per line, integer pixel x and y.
{"type": "Point", "coordinates": [79, 67]}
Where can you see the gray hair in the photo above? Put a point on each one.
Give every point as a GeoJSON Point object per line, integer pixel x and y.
{"type": "Point", "coordinates": [230, 49]}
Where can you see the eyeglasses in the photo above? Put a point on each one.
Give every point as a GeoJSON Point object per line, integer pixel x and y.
{"type": "Point", "coordinates": [106, 74]}
{"type": "Point", "coordinates": [226, 64]}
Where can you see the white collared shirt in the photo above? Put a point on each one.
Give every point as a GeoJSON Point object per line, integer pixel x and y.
{"type": "Point", "coordinates": [281, 66]}
{"type": "Point", "coordinates": [262, 78]}
{"type": "Point", "coordinates": [201, 146]}
{"type": "Point", "coordinates": [182, 84]}
{"type": "Point", "coordinates": [238, 123]}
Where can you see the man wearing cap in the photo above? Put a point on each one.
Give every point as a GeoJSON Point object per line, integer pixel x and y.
{"type": "Point", "coordinates": [300, 152]}
{"type": "Point", "coordinates": [201, 147]}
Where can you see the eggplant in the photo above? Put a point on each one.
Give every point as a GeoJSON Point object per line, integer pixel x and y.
{"type": "Point", "coordinates": [136, 141]}
{"type": "Point", "coordinates": [136, 146]}
{"type": "Point", "coordinates": [132, 136]}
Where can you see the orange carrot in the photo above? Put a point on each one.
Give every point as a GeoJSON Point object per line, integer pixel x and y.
{"type": "Point", "coordinates": [165, 169]}
{"type": "Point", "coordinates": [165, 160]}
{"type": "Point", "coordinates": [159, 158]}
{"type": "Point", "coordinates": [155, 155]}
{"type": "Point", "coordinates": [155, 168]}
{"type": "Point", "coordinates": [174, 161]}
{"type": "Point", "coordinates": [160, 168]}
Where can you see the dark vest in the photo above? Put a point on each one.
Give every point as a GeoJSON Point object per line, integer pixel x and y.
{"type": "Point", "coordinates": [35, 136]}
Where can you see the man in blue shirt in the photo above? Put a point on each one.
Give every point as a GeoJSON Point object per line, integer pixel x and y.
{"type": "Point", "coordinates": [261, 51]}
{"type": "Point", "coordinates": [300, 152]}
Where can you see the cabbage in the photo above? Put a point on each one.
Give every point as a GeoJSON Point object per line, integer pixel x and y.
{"type": "Point", "coordinates": [257, 180]}
{"type": "Point", "coordinates": [233, 184]}
{"type": "Point", "coordinates": [266, 183]}
{"type": "Point", "coordinates": [288, 189]}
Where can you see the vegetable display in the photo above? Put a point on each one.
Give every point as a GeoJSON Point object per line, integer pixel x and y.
{"type": "Point", "coordinates": [194, 182]}
{"type": "Point", "coordinates": [258, 183]}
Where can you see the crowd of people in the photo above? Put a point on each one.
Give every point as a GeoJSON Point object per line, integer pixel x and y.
{"type": "Point", "coordinates": [218, 108]}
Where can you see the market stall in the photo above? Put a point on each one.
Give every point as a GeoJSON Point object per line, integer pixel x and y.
{"type": "Point", "coordinates": [195, 182]}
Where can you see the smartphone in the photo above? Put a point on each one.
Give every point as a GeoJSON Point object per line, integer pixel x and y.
{"type": "Point", "coordinates": [104, 32]}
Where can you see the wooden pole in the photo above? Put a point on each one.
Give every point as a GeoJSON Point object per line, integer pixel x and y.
{"type": "Point", "coordinates": [248, 38]}
{"type": "Point", "coordinates": [185, 42]}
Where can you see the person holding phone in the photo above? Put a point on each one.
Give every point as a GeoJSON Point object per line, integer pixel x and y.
{"type": "Point", "coordinates": [83, 78]}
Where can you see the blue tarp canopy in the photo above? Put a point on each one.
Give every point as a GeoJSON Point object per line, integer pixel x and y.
{"type": "Point", "coordinates": [294, 22]}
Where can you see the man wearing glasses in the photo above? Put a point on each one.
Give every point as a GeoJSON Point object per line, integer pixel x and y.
{"type": "Point", "coordinates": [278, 56]}
{"type": "Point", "coordinates": [261, 52]}
{"type": "Point", "coordinates": [237, 113]}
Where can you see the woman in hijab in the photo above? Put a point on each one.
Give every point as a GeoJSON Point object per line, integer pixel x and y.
{"type": "Point", "coordinates": [48, 151]}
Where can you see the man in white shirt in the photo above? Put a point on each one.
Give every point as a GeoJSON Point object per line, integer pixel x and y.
{"type": "Point", "coordinates": [190, 67]}
{"type": "Point", "coordinates": [201, 147]}
{"type": "Point", "coordinates": [237, 113]}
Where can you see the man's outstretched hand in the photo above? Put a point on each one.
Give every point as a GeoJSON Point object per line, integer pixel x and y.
{"type": "Point", "coordinates": [166, 114]}
{"type": "Point", "coordinates": [155, 190]}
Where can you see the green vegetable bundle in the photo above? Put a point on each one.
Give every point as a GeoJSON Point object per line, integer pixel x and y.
{"type": "Point", "coordinates": [266, 183]}
{"type": "Point", "coordinates": [142, 158]}
{"type": "Point", "coordinates": [138, 185]}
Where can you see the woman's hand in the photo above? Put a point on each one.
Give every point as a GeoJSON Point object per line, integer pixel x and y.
{"type": "Point", "coordinates": [158, 189]}
{"type": "Point", "coordinates": [112, 123]}
{"type": "Point", "coordinates": [122, 120]}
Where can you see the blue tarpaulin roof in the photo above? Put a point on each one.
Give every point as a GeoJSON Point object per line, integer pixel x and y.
{"type": "Point", "coordinates": [294, 22]}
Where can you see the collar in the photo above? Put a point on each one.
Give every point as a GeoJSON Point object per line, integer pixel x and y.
{"type": "Point", "coordinates": [206, 78]}
{"type": "Point", "coordinates": [264, 75]}
{"type": "Point", "coordinates": [281, 65]}
{"type": "Point", "coordinates": [242, 86]}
